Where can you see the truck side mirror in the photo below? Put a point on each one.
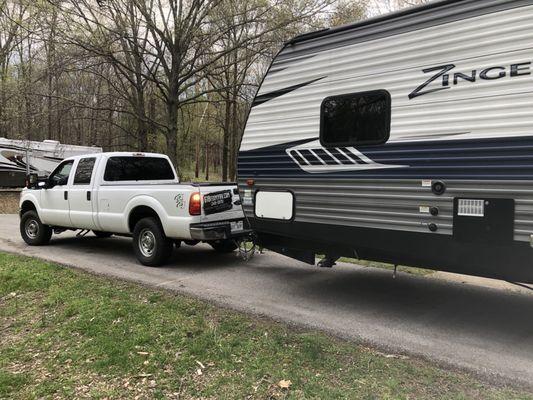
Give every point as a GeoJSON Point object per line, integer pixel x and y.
{"type": "Point", "coordinates": [31, 180]}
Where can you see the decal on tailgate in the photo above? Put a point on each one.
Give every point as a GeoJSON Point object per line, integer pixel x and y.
{"type": "Point", "coordinates": [218, 202]}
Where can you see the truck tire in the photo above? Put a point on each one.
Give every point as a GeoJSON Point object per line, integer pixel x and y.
{"type": "Point", "coordinates": [102, 235]}
{"type": "Point", "coordinates": [33, 231]}
{"type": "Point", "coordinates": [224, 246]}
{"type": "Point", "coordinates": [152, 248]}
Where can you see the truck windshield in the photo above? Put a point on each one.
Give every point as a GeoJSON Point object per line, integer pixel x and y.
{"type": "Point", "coordinates": [137, 169]}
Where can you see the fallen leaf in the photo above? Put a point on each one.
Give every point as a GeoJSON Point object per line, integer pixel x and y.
{"type": "Point", "coordinates": [284, 384]}
{"type": "Point", "coordinates": [143, 376]}
{"type": "Point", "coordinates": [199, 372]}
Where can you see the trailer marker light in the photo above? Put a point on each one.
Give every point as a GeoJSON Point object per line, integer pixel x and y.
{"type": "Point", "coordinates": [195, 204]}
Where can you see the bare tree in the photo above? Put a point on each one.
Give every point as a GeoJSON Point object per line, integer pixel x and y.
{"type": "Point", "coordinates": [386, 6]}
{"type": "Point", "coordinates": [12, 14]}
{"type": "Point", "coordinates": [250, 31]}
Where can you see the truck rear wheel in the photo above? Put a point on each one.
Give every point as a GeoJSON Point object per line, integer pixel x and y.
{"type": "Point", "coordinates": [152, 248]}
{"type": "Point", "coordinates": [224, 246]}
{"type": "Point", "coordinates": [33, 231]}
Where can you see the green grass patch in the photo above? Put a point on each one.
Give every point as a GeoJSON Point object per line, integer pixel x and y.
{"type": "Point", "coordinates": [67, 334]}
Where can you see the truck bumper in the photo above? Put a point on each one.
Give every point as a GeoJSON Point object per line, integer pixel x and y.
{"type": "Point", "coordinates": [217, 231]}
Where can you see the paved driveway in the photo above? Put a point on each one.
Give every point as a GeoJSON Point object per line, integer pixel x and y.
{"type": "Point", "coordinates": [487, 330]}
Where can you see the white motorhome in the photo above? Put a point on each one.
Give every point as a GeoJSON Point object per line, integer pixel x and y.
{"type": "Point", "coordinates": [18, 157]}
{"type": "Point", "coordinates": [406, 139]}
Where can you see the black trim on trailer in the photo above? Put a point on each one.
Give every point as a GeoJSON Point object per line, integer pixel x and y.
{"type": "Point", "coordinates": [425, 250]}
{"type": "Point", "coordinates": [278, 93]}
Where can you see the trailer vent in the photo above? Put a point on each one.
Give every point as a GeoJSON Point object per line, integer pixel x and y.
{"type": "Point", "coordinates": [471, 208]}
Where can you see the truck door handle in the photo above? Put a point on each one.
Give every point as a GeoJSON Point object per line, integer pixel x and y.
{"type": "Point", "coordinates": [65, 195]}
{"type": "Point", "coordinates": [89, 195]}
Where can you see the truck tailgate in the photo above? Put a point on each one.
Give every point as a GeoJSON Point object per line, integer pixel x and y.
{"type": "Point", "coordinates": [220, 203]}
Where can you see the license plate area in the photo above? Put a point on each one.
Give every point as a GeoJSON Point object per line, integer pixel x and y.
{"type": "Point", "coordinates": [217, 202]}
{"type": "Point", "coordinates": [237, 226]}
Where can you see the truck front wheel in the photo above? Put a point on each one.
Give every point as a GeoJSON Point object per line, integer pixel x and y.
{"type": "Point", "coordinates": [152, 248]}
{"type": "Point", "coordinates": [33, 231]}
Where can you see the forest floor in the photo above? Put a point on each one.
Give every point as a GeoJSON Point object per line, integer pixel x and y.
{"type": "Point", "coordinates": [9, 201]}
{"type": "Point", "coordinates": [69, 334]}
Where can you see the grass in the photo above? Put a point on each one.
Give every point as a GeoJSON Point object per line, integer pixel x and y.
{"type": "Point", "coordinates": [67, 334]}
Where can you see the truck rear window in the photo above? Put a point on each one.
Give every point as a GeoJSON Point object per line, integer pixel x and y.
{"type": "Point", "coordinates": [137, 169]}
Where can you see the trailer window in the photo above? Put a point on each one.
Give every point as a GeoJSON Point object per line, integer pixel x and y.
{"type": "Point", "coordinates": [84, 171]}
{"type": "Point", "coordinates": [138, 169]}
{"type": "Point", "coordinates": [355, 119]}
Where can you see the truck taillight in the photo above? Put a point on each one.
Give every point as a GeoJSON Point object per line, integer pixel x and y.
{"type": "Point", "coordinates": [195, 204]}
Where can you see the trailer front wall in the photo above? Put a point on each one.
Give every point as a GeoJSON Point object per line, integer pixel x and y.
{"type": "Point", "coordinates": [475, 135]}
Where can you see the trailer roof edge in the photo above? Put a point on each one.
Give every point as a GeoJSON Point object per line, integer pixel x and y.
{"type": "Point", "coordinates": [370, 21]}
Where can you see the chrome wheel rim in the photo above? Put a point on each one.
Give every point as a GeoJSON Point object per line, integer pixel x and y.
{"type": "Point", "coordinates": [147, 242]}
{"type": "Point", "coordinates": [32, 228]}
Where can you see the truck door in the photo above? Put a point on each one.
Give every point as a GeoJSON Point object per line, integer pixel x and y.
{"type": "Point", "coordinates": [81, 195]}
{"type": "Point", "coordinates": [54, 200]}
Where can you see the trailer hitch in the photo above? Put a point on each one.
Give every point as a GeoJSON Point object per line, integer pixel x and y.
{"type": "Point", "coordinates": [248, 246]}
{"type": "Point", "coordinates": [328, 262]}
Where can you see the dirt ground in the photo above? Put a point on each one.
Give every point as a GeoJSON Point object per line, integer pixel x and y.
{"type": "Point", "coordinates": [9, 201]}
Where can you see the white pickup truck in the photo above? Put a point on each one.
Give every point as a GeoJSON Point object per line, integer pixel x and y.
{"type": "Point", "coordinates": [131, 194]}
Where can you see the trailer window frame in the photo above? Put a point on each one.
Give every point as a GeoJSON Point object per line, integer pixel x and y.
{"type": "Point", "coordinates": [284, 221]}
{"type": "Point", "coordinates": [387, 116]}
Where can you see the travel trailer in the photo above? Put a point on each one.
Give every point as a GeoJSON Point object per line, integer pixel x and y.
{"type": "Point", "coordinates": [405, 139]}
{"type": "Point", "coordinates": [42, 158]}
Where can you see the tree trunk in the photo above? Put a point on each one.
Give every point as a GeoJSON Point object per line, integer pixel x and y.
{"type": "Point", "coordinates": [142, 136]}
{"type": "Point", "coordinates": [207, 162]}
{"type": "Point", "coordinates": [3, 99]}
{"type": "Point", "coordinates": [197, 158]}
{"type": "Point", "coordinates": [172, 133]}
{"type": "Point", "coordinates": [50, 61]}
{"type": "Point", "coordinates": [225, 142]}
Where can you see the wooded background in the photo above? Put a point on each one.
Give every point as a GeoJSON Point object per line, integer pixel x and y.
{"type": "Point", "coordinates": [170, 76]}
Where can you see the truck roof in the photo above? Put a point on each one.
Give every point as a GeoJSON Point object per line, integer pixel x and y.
{"type": "Point", "coordinates": [119, 154]}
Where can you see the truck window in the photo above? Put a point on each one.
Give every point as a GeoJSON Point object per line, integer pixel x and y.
{"type": "Point", "coordinates": [138, 169]}
{"type": "Point", "coordinates": [355, 119]}
{"type": "Point", "coordinates": [60, 176]}
{"type": "Point", "coordinates": [84, 171]}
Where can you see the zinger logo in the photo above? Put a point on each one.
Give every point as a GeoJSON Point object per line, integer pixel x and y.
{"type": "Point", "coordinates": [443, 74]}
